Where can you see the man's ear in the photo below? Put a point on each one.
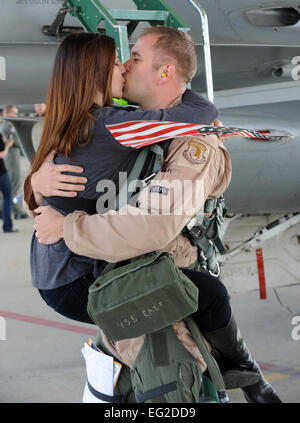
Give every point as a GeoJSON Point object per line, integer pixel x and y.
{"type": "Point", "coordinates": [167, 73]}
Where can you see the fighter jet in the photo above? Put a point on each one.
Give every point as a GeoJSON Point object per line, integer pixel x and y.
{"type": "Point", "coordinates": [249, 66]}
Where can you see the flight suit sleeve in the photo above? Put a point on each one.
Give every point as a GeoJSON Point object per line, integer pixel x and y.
{"type": "Point", "coordinates": [165, 206]}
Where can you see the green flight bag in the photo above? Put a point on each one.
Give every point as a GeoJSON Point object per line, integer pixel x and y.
{"type": "Point", "coordinates": [141, 297]}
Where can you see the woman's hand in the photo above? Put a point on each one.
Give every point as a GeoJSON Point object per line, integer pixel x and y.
{"type": "Point", "coordinates": [48, 225]}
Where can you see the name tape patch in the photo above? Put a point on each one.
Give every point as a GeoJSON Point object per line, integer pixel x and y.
{"type": "Point", "coordinates": [159, 190]}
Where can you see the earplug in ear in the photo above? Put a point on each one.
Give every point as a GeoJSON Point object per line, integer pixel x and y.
{"type": "Point", "coordinates": [164, 75]}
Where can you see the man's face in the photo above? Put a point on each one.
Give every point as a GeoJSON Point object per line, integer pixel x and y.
{"type": "Point", "coordinates": [40, 109]}
{"type": "Point", "coordinates": [141, 77]}
{"type": "Point", "coordinates": [12, 112]}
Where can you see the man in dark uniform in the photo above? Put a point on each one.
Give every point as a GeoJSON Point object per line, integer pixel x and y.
{"type": "Point", "coordinates": [12, 160]}
{"type": "Point", "coordinates": [5, 187]}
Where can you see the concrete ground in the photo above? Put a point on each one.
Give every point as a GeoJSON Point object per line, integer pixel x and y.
{"type": "Point", "coordinates": [41, 361]}
{"type": "Point", "coordinates": [268, 330]}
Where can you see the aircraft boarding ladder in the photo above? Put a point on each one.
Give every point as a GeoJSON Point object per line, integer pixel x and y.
{"type": "Point", "coordinates": [157, 12]}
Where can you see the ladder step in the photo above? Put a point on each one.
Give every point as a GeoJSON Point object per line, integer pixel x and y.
{"type": "Point", "coordinates": [90, 13]}
{"type": "Point", "coordinates": [139, 15]}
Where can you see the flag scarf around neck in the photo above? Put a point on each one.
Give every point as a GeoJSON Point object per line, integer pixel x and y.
{"type": "Point", "coordinates": [137, 134]}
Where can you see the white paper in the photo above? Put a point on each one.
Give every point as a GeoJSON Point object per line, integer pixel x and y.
{"type": "Point", "coordinates": [102, 373]}
{"type": "Point", "coordinates": [99, 371]}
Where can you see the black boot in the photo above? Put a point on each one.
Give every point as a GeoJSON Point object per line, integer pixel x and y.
{"type": "Point", "coordinates": [238, 368]}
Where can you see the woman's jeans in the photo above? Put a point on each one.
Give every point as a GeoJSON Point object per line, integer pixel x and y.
{"type": "Point", "coordinates": [213, 312]}
{"type": "Point", "coordinates": [70, 300]}
{"type": "Point", "coordinates": [5, 188]}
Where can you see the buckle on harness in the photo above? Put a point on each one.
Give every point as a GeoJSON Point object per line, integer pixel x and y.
{"type": "Point", "coordinates": [217, 274]}
{"type": "Point", "coordinates": [148, 179]}
{"type": "Point", "coordinates": [197, 232]}
{"type": "Point", "coordinates": [219, 217]}
{"type": "Point", "coordinates": [220, 210]}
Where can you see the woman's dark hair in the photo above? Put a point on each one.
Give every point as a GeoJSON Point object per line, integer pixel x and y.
{"type": "Point", "coordinates": [83, 67]}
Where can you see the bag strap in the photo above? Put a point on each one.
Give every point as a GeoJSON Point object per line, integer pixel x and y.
{"type": "Point", "coordinates": [124, 195]}
{"type": "Point", "coordinates": [212, 365]}
{"type": "Point", "coordinates": [157, 393]}
{"type": "Point", "coordinates": [104, 397]}
{"type": "Point", "coordinates": [146, 259]}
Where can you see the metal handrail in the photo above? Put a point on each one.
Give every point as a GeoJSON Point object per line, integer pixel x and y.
{"type": "Point", "coordinates": [206, 49]}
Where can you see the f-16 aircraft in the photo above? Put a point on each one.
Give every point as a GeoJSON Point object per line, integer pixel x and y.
{"type": "Point", "coordinates": [249, 66]}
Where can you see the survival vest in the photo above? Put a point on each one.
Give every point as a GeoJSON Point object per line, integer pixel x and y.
{"type": "Point", "coordinates": [165, 372]}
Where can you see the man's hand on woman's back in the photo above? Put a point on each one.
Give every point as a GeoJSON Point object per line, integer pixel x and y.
{"type": "Point", "coordinates": [50, 180]}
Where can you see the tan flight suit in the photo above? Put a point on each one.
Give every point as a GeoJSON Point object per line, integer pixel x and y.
{"type": "Point", "coordinates": [201, 161]}
{"type": "Point", "coordinates": [132, 231]}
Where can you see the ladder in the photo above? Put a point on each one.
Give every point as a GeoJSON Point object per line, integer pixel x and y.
{"type": "Point", "coordinates": [91, 12]}
{"type": "Point", "coordinates": [157, 12]}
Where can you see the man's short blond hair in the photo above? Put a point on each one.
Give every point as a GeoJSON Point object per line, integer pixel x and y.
{"type": "Point", "coordinates": [177, 45]}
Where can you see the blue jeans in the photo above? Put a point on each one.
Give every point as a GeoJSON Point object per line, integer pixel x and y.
{"type": "Point", "coordinates": [5, 188]}
{"type": "Point", "coordinates": [70, 300]}
{"type": "Point", "coordinates": [214, 310]}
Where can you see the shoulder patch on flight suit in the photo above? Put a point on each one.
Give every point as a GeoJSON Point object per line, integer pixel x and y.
{"type": "Point", "coordinates": [195, 152]}
{"type": "Point", "coordinates": [159, 190]}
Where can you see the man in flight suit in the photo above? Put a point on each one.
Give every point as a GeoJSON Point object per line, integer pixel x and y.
{"type": "Point", "coordinates": [157, 222]}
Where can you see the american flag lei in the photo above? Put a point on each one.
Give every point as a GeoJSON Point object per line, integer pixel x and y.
{"type": "Point", "coordinates": [139, 134]}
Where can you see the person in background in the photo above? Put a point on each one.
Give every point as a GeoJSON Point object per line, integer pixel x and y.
{"type": "Point", "coordinates": [40, 109]}
{"type": "Point", "coordinates": [12, 159]}
{"type": "Point", "coordinates": [5, 186]}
